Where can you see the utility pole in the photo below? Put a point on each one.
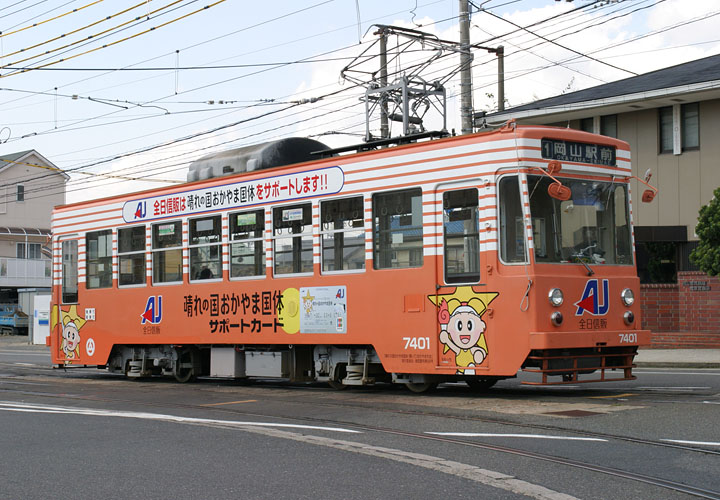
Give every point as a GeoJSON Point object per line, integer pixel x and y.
{"type": "Point", "coordinates": [500, 52]}
{"type": "Point", "coordinates": [384, 125]}
{"type": "Point", "coordinates": [466, 108]}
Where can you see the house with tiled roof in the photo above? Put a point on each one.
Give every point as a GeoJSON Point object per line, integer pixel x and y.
{"type": "Point", "coordinates": [30, 186]}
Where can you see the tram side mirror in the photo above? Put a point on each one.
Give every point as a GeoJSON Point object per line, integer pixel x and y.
{"type": "Point", "coordinates": [560, 192]}
{"type": "Point", "coordinates": [554, 167]}
{"type": "Point", "coordinates": [648, 196]}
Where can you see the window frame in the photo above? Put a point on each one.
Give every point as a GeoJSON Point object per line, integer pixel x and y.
{"type": "Point", "coordinates": [131, 253]}
{"type": "Point", "coordinates": [376, 230]}
{"type": "Point", "coordinates": [218, 232]}
{"type": "Point", "coordinates": [333, 231]}
{"type": "Point", "coordinates": [683, 126]}
{"type": "Point", "coordinates": [20, 193]}
{"type": "Point", "coordinates": [64, 274]}
{"type": "Point", "coordinates": [662, 114]}
{"type": "Point", "coordinates": [26, 246]}
{"type": "Point", "coordinates": [524, 211]}
{"type": "Point", "coordinates": [105, 259]}
{"type": "Point", "coordinates": [157, 250]}
{"type": "Point", "coordinates": [605, 121]}
{"type": "Point", "coordinates": [297, 252]}
{"type": "Point", "coordinates": [262, 271]}
{"type": "Point", "coordinates": [457, 279]}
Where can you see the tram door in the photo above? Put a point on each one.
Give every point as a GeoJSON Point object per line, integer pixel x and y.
{"type": "Point", "coordinates": [459, 278]}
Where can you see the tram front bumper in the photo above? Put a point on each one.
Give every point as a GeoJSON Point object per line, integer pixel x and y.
{"type": "Point", "coordinates": [585, 338]}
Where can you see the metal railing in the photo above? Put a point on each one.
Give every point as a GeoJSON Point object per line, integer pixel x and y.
{"type": "Point", "coordinates": [25, 272]}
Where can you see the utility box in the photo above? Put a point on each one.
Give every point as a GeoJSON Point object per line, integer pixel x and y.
{"type": "Point", "coordinates": [267, 364]}
{"type": "Point", "coordinates": [227, 362]}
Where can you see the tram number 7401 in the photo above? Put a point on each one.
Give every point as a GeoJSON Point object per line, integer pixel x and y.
{"type": "Point", "coordinates": [628, 338]}
{"type": "Point", "coordinates": [417, 342]}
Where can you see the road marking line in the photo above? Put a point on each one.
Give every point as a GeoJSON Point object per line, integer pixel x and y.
{"type": "Point", "coordinates": [484, 476]}
{"type": "Point", "coordinates": [613, 396]}
{"type": "Point", "coordinates": [681, 441]}
{"type": "Point", "coordinates": [531, 436]}
{"type": "Point", "coordinates": [231, 402]}
{"type": "Point", "coordinates": [704, 374]}
{"type": "Point", "coordinates": [28, 408]}
{"type": "Point", "coordinates": [661, 388]}
{"type": "Point", "coordinates": [21, 353]}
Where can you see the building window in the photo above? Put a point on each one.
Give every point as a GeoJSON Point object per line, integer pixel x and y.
{"type": "Point", "coordinates": [342, 234]}
{"type": "Point", "coordinates": [69, 271]}
{"type": "Point", "coordinates": [461, 248]}
{"type": "Point", "coordinates": [20, 192]}
{"type": "Point", "coordinates": [690, 116]}
{"type": "Point", "coordinates": [167, 252]}
{"type": "Point", "coordinates": [398, 230]}
{"type": "Point", "coordinates": [205, 249]}
{"type": "Point", "coordinates": [608, 125]}
{"type": "Point", "coordinates": [131, 255]}
{"type": "Point", "coordinates": [586, 125]}
{"type": "Point", "coordinates": [292, 239]}
{"type": "Point", "coordinates": [666, 129]}
{"type": "Point", "coordinates": [28, 251]}
{"type": "Point", "coordinates": [247, 248]}
{"type": "Point", "coordinates": [98, 246]}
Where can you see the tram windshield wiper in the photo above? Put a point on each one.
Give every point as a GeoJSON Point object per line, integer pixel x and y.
{"type": "Point", "coordinates": [585, 253]}
{"type": "Point", "coordinates": [579, 259]}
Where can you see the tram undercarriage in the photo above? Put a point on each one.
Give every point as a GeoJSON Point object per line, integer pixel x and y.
{"type": "Point", "coordinates": [339, 366]}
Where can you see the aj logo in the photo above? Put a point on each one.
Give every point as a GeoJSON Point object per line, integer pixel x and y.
{"type": "Point", "coordinates": [153, 310]}
{"type": "Point", "coordinates": [591, 300]}
{"type": "Point", "coordinates": [140, 211]}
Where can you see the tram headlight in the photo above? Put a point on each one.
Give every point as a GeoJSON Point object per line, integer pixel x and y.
{"type": "Point", "coordinates": [629, 318]}
{"type": "Point", "coordinates": [555, 297]}
{"type": "Point", "coordinates": [556, 318]}
{"type": "Point", "coordinates": [628, 297]}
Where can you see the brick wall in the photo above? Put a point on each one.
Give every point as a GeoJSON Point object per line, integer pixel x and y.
{"type": "Point", "coordinates": [684, 315]}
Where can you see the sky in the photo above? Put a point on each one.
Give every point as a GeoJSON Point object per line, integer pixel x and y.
{"type": "Point", "coordinates": [123, 95]}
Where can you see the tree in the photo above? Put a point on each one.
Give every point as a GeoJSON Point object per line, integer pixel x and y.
{"type": "Point", "coordinates": [707, 254]}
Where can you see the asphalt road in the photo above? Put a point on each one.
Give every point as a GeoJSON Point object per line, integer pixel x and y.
{"type": "Point", "coordinates": [83, 433]}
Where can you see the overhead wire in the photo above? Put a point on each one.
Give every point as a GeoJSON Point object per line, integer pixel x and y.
{"type": "Point", "coordinates": [111, 44]}
{"type": "Point", "coordinates": [35, 25]}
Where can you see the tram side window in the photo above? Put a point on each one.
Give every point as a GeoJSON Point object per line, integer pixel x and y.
{"type": "Point", "coordinates": [292, 239]}
{"type": "Point", "coordinates": [167, 252]}
{"type": "Point", "coordinates": [69, 271]}
{"type": "Point", "coordinates": [247, 249]}
{"type": "Point", "coordinates": [205, 249]}
{"type": "Point", "coordinates": [131, 255]}
{"type": "Point", "coordinates": [461, 239]}
{"type": "Point", "coordinates": [512, 231]}
{"type": "Point", "coordinates": [343, 234]}
{"type": "Point", "coordinates": [98, 245]}
{"type": "Point", "coordinates": [398, 230]}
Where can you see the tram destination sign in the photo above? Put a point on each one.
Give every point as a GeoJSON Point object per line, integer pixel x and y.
{"type": "Point", "coordinates": [243, 194]}
{"type": "Point", "coordinates": [580, 152]}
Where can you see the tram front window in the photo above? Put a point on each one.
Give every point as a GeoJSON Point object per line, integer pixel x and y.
{"type": "Point", "coordinates": [593, 226]}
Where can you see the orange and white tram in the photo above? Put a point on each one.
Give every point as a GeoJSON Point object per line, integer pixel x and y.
{"type": "Point", "coordinates": [460, 259]}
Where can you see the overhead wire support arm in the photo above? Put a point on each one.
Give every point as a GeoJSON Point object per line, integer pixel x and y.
{"type": "Point", "coordinates": [404, 96]}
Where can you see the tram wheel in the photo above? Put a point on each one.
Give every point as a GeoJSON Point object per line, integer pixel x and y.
{"type": "Point", "coordinates": [419, 388]}
{"type": "Point", "coordinates": [338, 386]}
{"type": "Point", "coordinates": [185, 365]}
{"type": "Point", "coordinates": [480, 384]}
